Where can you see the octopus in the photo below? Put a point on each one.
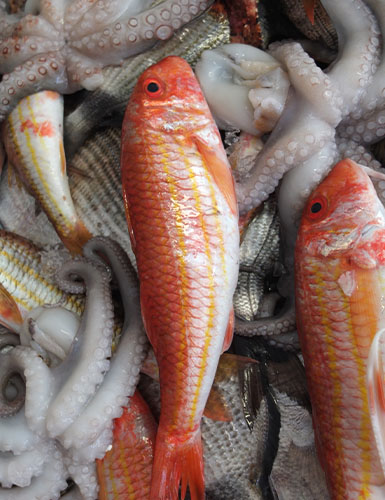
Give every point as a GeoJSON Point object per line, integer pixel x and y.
{"type": "Point", "coordinates": [63, 46]}
{"type": "Point", "coordinates": [59, 398]}
{"type": "Point", "coordinates": [326, 115]}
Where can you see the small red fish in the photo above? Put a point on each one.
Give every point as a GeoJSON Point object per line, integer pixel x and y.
{"type": "Point", "coordinates": [340, 299]}
{"type": "Point", "coordinates": [125, 471]}
{"type": "Point", "coordinates": [182, 214]}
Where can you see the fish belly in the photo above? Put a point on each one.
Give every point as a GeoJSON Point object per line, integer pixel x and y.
{"type": "Point", "coordinates": [339, 312]}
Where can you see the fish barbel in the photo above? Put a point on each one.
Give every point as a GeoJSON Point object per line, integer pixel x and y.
{"type": "Point", "coordinates": [182, 216]}
{"type": "Point", "coordinates": [33, 137]}
{"type": "Point", "coordinates": [340, 299]}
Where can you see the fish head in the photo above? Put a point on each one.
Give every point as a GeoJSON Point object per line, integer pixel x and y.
{"type": "Point", "coordinates": [344, 217]}
{"type": "Point", "coordinates": [168, 98]}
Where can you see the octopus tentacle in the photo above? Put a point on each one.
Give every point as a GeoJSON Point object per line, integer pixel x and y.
{"type": "Point", "coordinates": [38, 386]}
{"type": "Point", "coordinates": [120, 381]}
{"type": "Point", "coordinates": [358, 38]}
{"type": "Point", "coordinates": [85, 477]}
{"type": "Point", "coordinates": [19, 470]}
{"type": "Point", "coordinates": [82, 38]}
{"type": "Point", "coordinates": [276, 325]}
{"type": "Point", "coordinates": [46, 486]}
{"type": "Point", "coordinates": [8, 339]}
{"type": "Point", "coordinates": [40, 71]}
{"type": "Point", "coordinates": [87, 361]}
{"type": "Point", "coordinates": [16, 436]}
{"type": "Point", "coordinates": [12, 393]}
{"type": "Point", "coordinates": [316, 105]}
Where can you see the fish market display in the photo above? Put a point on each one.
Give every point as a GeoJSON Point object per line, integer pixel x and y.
{"type": "Point", "coordinates": [33, 139]}
{"type": "Point", "coordinates": [233, 453]}
{"type": "Point", "coordinates": [109, 101]}
{"type": "Point", "coordinates": [64, 45]}
{"type": "Point", "coordinates": [149, 212]}
{"type": "Point", "coordinates": [182, 214]}
{"type": "Point", "coordinates": [339, 300]}
{"type": "Point", "coordinates": [70, 402]}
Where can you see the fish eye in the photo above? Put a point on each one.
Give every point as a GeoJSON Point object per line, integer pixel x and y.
{"type": "Point", "coordinates": [317, 207]}
{"type": "Point", "coordinates": [152, 87]}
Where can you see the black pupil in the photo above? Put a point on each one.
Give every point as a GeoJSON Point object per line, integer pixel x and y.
{"type": "Point", "coordinates": [153, 87]}
{"type": "Point", "coordinates": [316, 207]}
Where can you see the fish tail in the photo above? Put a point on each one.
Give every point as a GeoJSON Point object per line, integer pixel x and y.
{"type": "Point", "coordinates": [178, 463]}
{"type": "Point", "coordinates": [75, 240]}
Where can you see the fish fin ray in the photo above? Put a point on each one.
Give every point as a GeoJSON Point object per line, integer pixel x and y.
{"type": "Point", "coordinates": [219, 168]}
{"type": "Point", "coordinates": [229, 332]}
{"type": "Point", "coordinates": [309, 6]}
{"type": "Point", "coordinates": [177, 463]}
{"type": "Point", "coordinates": [10, 315]}
{"type": "Point", "coordinates": [75, 241]}
{"type": "Point", "coordinates": [376, 393]}
{"type": "Point", "coordinates": [216, 407]}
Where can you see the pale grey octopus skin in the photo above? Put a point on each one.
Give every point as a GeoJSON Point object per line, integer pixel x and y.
{"type": "Point", "coordinates": [120, 381]}
{"type": "Point", "coordinates": [63, 45]}
{"type": "Point", "coordinates": [78, 375]}
{"type": "Point", "coordinates": [366, 124]}
{"type": "Point", "coordinates": [315, 105]}
{"type": "Point", "coordinates": [87, 400]}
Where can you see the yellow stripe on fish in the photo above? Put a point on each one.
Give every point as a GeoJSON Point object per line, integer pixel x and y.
{"type": "Point", "coordinates": [33, 137]}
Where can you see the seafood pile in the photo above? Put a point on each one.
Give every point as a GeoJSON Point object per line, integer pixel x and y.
{"type": "Point", "coordinates": [192, 249]}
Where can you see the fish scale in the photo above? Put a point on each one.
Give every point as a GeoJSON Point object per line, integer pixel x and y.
{"type": "Point", "coordinates": [339, 301]}
{"type": "Point", "coordinates": [181, 209]}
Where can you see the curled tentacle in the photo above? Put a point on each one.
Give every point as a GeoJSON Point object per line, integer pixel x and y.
{"type": "Point", "coordinates": [15, 434]}
{"type": "Point", "coordinates": [19, 470]}
{"type": "Point", "coordinates": [38, 385]}
{"type": "Point", "coordinates": [46, 486]}
{"type": "Point", "coordinates": [84, 368]}
{"type": "Point", "coordinates": [12, 393]}
{"type": "Point", "coordinates": [120, 381]}
{"type": "Point", "coordinates": [8, 339]}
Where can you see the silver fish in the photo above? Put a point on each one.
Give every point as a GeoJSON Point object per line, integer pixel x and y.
{"type": "Point", "coordinates": [292, 469]}
{"type": "Point", "coordinates": [259, 256]}
{"type": "Point", "coordinates": [110, 99]}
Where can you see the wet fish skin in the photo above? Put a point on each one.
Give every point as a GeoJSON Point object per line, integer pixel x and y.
{"type": "Point", "coordinates": [106, 105]}
{"type": "Point", "coordinates": [182, 215]}
{"type": "Point", "coordinates": [125, 470]}
{"type": "Point", "coordinates": [258, 258]}
{"type": "Point", "coordinates": [233, 455]}
{"type": "Point", "coordinates": [23, 279]}
{"type": "Point", "coordinates": [340, 276]}
{"type": "Point", "coordinates": [33, 138]}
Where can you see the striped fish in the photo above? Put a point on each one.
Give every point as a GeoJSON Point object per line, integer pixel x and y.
{"type": "Point", "coordinates": [23, 285]}
{"type": "Point", "coordinates": [33, 137]}
{"type": "Point", "coordinates": [182, 215]}
{"type": "Point", "coordinates": [125, 470]}
{"type": "Point", "coordinates": [340, 299]}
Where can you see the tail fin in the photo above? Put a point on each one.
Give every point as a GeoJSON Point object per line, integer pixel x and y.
{"type": "Point", "coordinates": [176, 462]}
{"type": "Point", "coordinates": [75, 240]}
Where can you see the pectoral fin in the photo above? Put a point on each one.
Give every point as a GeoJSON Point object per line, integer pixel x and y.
{"type": "Point", "coordinates": [216, 163]}
{"type": "Point", "coordinates": [229, 332]}
{"type": "Point", "coordinates": [309, 6]}
{"type": "Point", "coordinates": [376, 392]}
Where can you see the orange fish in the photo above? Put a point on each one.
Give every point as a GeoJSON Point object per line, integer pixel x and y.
{"type": "Point", "coordinates": [125, 471]}
{"type": "Point", "coordinates": [340, 299]}
{"type": "Point", "coordinates": [33, 138]}
{"type": "Point", "coordinates": [182, 215]}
